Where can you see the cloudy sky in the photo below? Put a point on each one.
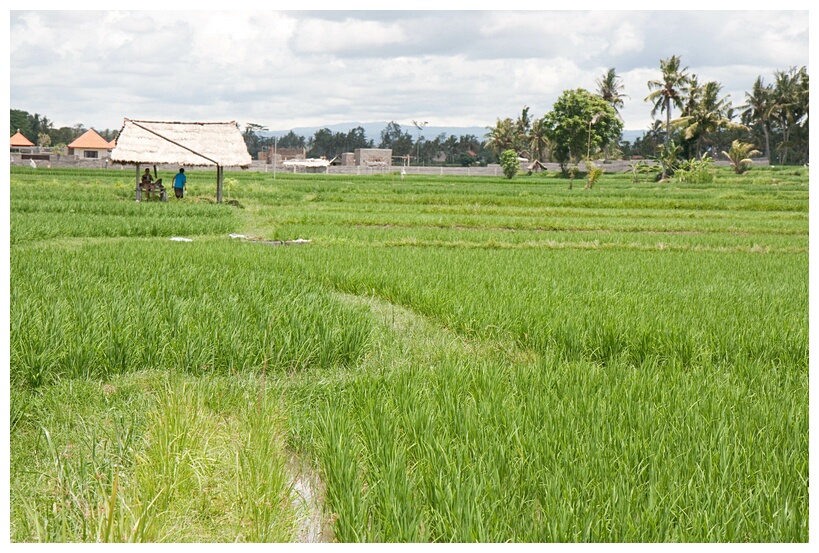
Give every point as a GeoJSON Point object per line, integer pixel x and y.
{"type": "Point", "coordinates": [286, 69]}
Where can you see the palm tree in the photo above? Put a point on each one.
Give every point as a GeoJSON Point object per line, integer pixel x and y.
{"type": "Point", "coordinates": [667, 91]}
{"type": "Point", "coordinates": [803, 96]}
{"type": "Point", "coordinates": [705, 113]}
{"type": "Point", "coordinates": [693, 95]}
{"type": "Point", "coordinates": [655, 134]}
{"type": "Point", "coordinates": [523, 125]}
{"type": "Point", "coordinates": [450, 147]}
{"type": "Point", "coordinates": [757, 109]}
{"type": "Point", "coordinates": [538, 141]}
{"type": "Point", "coordinates": [610, 87]}
{"type": "Point", "coordinates": [500, 137]}
{"type": "Point", "coordinates": [784, 107]}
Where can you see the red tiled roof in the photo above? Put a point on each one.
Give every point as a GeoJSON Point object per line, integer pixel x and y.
{"type": "Point", "coordinates": [18, 140]}
{"type": "Point", "coordinates": [91, 140]}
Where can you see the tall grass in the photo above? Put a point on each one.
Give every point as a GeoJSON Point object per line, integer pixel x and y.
{"type": "Point", "coordinates": [199, 460]}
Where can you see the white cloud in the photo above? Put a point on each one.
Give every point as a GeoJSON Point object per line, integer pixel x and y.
{"type": "Point", "coordinates": [283, 69]}
{"type": "Point", "coordinates": [626, 39]}
{"type": "Point", "coordinates": [320, 37]}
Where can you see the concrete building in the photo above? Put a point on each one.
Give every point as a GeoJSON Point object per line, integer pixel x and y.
{"type": "Point", "coordinates": [282, 154]}
{"type": "Point", "coordinates": [368, 157]}
{"type": "Point", "coordinates": [91, 146]}
{"type": "Point", "coordinates": [19, 141]}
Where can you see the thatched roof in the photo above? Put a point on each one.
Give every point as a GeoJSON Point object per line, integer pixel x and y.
{"type": "Point", "coordinates": [191, 144]}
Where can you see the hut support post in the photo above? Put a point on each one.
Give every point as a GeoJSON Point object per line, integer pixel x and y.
{"type": "Point", "coordinates": [138, 191]}
{"type": "Point", "coordinates": [219, 181]}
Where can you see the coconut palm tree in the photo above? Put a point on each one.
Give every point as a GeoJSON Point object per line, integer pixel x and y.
{"type": "Point", "coordinates": [757, 110]}
{"type": "Point", "coordinates": [522, 128]}
{"type": "Point", "coordinates": [500, 137]}
{"type": "Point", "coordinates": [789, 105]}
{"type": "Point", "coordinates": [705, 113]}
{"type": "Point", "coordinates": [667, 91]}
{"type": "Point", "coordinates": [803, 96]}
{"type": "Point", "coordinates": [538, 141]}
{"type": "Point", "coordinates": [610, 87]}
{"type": "Point", "coordinates": [693, 95]}
{"type": "Point", "coordinates": [524, 121]}
{"type": "Point", "coordinates": [655, 135]}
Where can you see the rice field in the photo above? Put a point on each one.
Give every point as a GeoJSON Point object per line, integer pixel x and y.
{"type": "Point", "coordinates": [449, 359]}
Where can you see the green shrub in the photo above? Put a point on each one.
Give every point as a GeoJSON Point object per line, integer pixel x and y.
{"type": "Point", "coordinates": [740, 156]}
{"type": "Point", "coordinates": [695, 171]}
{"type": "Point", "coordinates": [641, 168]}
{"type": "Point", "coordinates": [593, 173]}
{"type": "Point", "coordinates": [509, 163]}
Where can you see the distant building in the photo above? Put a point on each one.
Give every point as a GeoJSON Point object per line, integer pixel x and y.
{"type": "Point", "coordinates": [19, 141]}
{"type": "Point", "coordinates": [282, 154]}
{"type": "Point", "coordinates": [90, 146]}
{"type": "Point", "coordinates": [368, 157]}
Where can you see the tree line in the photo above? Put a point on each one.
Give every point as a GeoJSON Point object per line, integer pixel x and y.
{"type": "Point", "coordinates": [41, 131]}
{"type": "Point", "coordinates": [699, 121]}
{"type": "Point", "coordinates": [466, 149]}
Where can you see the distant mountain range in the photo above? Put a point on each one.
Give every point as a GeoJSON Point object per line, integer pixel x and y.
{"type": "Point", "coordinates": [373, 131]}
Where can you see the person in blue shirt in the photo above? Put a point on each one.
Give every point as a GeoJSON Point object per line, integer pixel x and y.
{"type": "Point", "coordinates": [179, 181]}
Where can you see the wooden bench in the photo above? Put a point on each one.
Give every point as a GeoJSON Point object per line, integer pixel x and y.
{"type": "Point", "coordinates": [150, 188]}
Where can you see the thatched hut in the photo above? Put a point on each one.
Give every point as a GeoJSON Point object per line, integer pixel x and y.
{"type": "Point", "coordinates": [537, 166]}
{"type": "Point", "coordinates": [217, 145]}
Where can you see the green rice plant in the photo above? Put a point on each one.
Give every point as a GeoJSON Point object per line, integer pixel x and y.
{"type": "Point", "coordinates": [143, 305]}
{"type": "Point", "coordinates": [661, 338]}
{"type": "Point", "coordinates": [462, 359]}
{"type": "Point", "coordinates": [346, 490]}
{"type": "Point", "coordinates": [105, 210]}
{"type": "Point", "coordinates": [557, 299]}
{"type": "Point", "coordinates": [562, 452]}
{"type": "Point", "coordinates": [206, 460]}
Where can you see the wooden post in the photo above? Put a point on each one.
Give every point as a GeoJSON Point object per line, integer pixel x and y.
{"type": "Point", "coordinates": [219, 179]}
{"type": "Point", "coordinates": [138, 191]}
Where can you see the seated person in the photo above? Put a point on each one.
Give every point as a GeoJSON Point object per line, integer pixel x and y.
{"type": "Point", "coordinates": [148, 185]}
{"type": "Point", "coordinates": [147, 180]}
